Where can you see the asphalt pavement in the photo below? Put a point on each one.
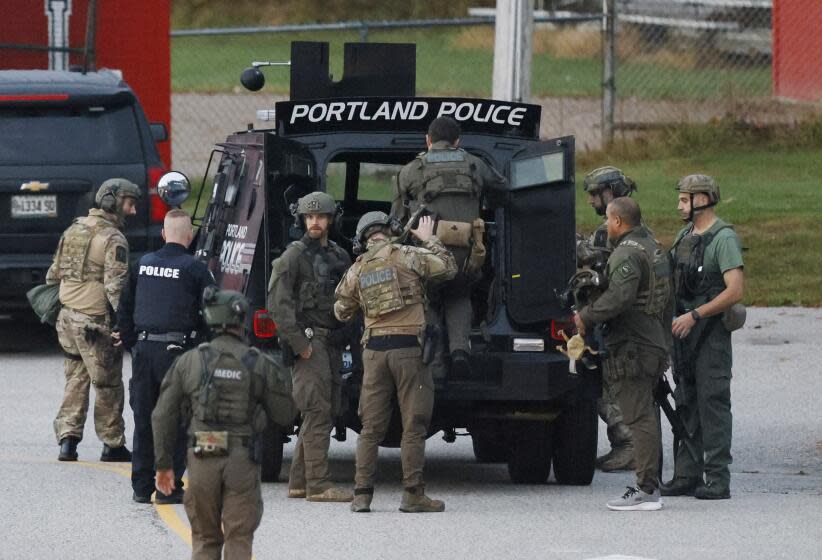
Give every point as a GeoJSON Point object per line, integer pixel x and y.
{"type": "Point", "coordinates": [84, 509]}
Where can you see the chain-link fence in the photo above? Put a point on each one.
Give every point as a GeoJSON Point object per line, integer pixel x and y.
{"type": "Point", "coordinates": [673, 61]}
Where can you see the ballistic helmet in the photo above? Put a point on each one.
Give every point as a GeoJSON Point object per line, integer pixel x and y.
{"type": "Point", "coordinates": [224, 308]}
{"type": "Point", "coordinates": [111, 193]}
{"type": "Point", "coordinates": [368, 222]}
{"type": "Point", "coordinates": [697, 183]}
{"type": "Point", "coordinates": [609, 176]}
{"type": "Point", "coordinates": [317, 203]}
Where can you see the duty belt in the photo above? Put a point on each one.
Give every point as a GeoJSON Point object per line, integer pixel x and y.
{"type": "Point", "coordinates": [243, 441]}
{"type": "Point", "coordinates": [311, 332]}
{"type": "Point", "coordinates": [392, 342]}
{"type": "Point", "coordinates": [169, 337]}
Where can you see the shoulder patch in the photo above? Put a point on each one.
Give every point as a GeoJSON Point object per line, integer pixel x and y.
{"type": "Point", "coordinates": [121, 254]}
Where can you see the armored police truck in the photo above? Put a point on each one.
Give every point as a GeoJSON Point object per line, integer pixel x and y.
{"type": "Point", "coordinates": [350, 138]}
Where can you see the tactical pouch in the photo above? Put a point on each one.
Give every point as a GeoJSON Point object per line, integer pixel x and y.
{"type": "Point", "coordinates": [287, 353]}
{"type": "Point", "coordinates": [734, 317]}
{"type": "Point", "coordinates": [476, 258]}
{"type": "Point", "coordinates": [454, 234]}
{"type": "Point", "coordinates": [210, 444]}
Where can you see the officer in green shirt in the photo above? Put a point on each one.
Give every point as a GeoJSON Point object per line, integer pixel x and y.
{"type": "Point", "coordinates": [632, 309]}
{"type": "Point", "coordinates": [708, 284]}
{"type": "Point", "coordinates": [228, 388]}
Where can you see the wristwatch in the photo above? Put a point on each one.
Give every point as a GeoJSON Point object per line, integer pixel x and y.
{"type": "Point", "coordinates": [695, 314]}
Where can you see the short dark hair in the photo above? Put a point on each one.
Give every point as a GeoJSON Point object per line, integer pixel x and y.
{"type": "Point", "coordinates": [444, 128]}
{"type": "Point", "coordinates": [627, 209]}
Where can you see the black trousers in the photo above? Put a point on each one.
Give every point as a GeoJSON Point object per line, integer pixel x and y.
{"type": "Point", "coordinates": [149, 363]}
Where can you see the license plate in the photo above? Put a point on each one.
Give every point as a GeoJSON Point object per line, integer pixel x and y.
{"type": "Point", "coordinates": [34, 206]}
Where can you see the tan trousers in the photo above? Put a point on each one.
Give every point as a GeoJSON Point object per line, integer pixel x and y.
{"type": "Point", "coordinates": [224, 504]}
{"type": "Point", "coordinates": [317, 395]}
{"type": "Point", "coordinates": [387, 373]}
{"type": "Point", "coordinates": [95, 362]}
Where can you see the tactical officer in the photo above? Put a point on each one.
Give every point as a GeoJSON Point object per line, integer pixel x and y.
{"type": "Point", "coordinates": [388, 283]}
{"type": "Point", "coordinates": [633, 306]}
{"type": "Point", "coordinates": [450, 183]}
{"type": "Point", "coordinates": [228, 388]}
{"type": "Point", "coordinates": [159, 316]}
{"type": "Point", "coordinates": [708, 284]}
{"type": "Point", "coordinates": [603, 185]}
{"type": "Point", "coordinates": [301, 300]}
{"type": "Point", "coordinates": [91, 265]}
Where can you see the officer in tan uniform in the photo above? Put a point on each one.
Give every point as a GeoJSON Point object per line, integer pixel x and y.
{"type": "Point", "coordinates": [450, 182]}
{"type": "Point", "coordinates": [91, 266]}
{"type": "Point", "coordinates": [603, 185]}
{"type": "Point", "coordinates": [301, 300]}
{"type": "Point", "coordinates": [388, 283]}
{"type": "Point", "coordinates": [228, 388]}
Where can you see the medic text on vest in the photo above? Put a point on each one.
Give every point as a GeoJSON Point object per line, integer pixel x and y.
{"type": "Point", "coordinates": [159, 271]}
{"type": "Point", "coordinates": [339, 111]}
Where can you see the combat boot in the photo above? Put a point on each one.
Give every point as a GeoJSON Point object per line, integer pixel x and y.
{"type": "Point", "coordinates": [712, 490]}
{"type": "Point", "coordinates": [362, 500]}
{"type": "Point", "coordinates": [460, 365]}
{"type": "Point", "coordinates": [618, 459]}
{"type": "Point", "coordinates": [679, 486]}
{"type": "Point", "coordinates": [414, 500]}
{"type": "Point", "coordinates": [332, 494]}
{"type": "Point", "coordinates": [115, 454]}
{"type": "Point", "coordinates": [68, 449]}
{"type": "Point", "coordinates": [296, 492]}
{"type": "Point", "coordinates": [176, 497]}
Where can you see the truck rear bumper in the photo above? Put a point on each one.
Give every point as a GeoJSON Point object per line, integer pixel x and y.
{"type": "Point", "coordinates": [18, 274]}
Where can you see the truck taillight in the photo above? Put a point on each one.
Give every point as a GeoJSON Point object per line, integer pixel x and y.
{"type": "Point", "coordinates": [157, 208]}
{"type": "Point", "coordinates": [264, 325]}
{"type": "Point", "coordinates": [566, 325]}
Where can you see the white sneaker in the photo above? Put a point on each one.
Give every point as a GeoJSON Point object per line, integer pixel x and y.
{"type": "Point", "coordinates": [635, 499]}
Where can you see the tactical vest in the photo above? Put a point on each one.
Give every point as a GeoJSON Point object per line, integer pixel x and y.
{"type": "Point", "coordinates": [74, 249]}
{"type": "Point", "coordinates": [444, 172]}
{"type": "Point", "coordinates": [690, 278]}
{"type": "Point", "coordinates": [651, 300]}
{"type": "Point", "coordinates": [385, 287]}
{"type": "Point", "coordinates": [227, 387]}
{"type": "Point", "coordinates": [328, 270]}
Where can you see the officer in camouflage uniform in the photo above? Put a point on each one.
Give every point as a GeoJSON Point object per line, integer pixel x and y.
{"type": "Point", "coordinates": [633, 307]}
{"type": "Point", "coordinates": [450, 182]}
{"type": "Point", "coordinates": [709, 284]}
{"type": "Point", "coordinates": [91, 266]}
{"type": "Point", "coordinates": [228, 388]}
{"type": "Point", "coordinates": [301, 300]}
{"type": "Point", "coordinates": [387, 284]}
{"type": "Point", "coordinates": [603, 185]}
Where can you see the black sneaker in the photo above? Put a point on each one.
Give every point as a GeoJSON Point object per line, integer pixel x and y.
{"type": "Point", "coordinates": [141, 498]}
{"type": "Point", "coordinates": [115, 454]}
{"type": "Point", "coordinates": [712, 491]}
{"type": "Point", "coordinates": [176, 497]}
{"type": "Point", "coordinates": [68, 449]}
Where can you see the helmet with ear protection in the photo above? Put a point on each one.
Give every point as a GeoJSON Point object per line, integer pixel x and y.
{"type": "Point", "coordinates": [224, 308]}
{"type": "Point", "coordinates": [110, 195]}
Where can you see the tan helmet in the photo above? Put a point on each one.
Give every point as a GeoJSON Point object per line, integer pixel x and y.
{"type": "Point", "coordinates": [609, 176]}
{"type": "Point", "coordinates": [317, 203]}
{"type": "Point", "coordinates": [111, 193]}
{"type": "Point", "coordinates": [698, 183]}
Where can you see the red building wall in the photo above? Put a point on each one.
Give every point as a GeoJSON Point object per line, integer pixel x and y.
{"type": "Point", "coordinates": [131, 36]}
{"type": "Point", "coordinates": [797, 49]}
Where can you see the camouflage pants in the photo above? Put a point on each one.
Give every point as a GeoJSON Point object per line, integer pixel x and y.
{"type": "Point", "coordinates": [317, 396]}
{"type": "Point", "coordinates": [387, 373]}
{"type": "Point", "coordinates": [90, 360]}
{"type": "Point", "coordinates": [223, 504]}
{"type": "Point", "coordinates": [634, 374]}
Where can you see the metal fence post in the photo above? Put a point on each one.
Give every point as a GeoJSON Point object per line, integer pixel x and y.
{"type": "Point", "coordinates": [608, 70]}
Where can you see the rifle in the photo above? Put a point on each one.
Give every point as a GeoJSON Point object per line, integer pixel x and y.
{"type": "Point", "coordinates": [403, 236]}
{"type": "Point", "coordinates": [678, 428]}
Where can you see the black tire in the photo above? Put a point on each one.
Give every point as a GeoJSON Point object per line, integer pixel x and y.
{"type": "Point", "coordinates": [575, 444]}
{"type": "Point", "coordinates": [529, 461]}
{"type": "Point", "coordinates": [271, 447]}
{"type": "Point", "coordinates": [490, 447]}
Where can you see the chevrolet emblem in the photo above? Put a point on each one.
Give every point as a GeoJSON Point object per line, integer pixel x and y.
{"type": "Point", "coordinates": [34, 186]}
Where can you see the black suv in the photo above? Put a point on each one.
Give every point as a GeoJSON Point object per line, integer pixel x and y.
{"type": "Point", "coordinates": [61, 135]}
{"type": "Point", "coordinates": [350, 138]}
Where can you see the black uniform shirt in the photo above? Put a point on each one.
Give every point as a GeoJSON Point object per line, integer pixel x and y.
{"type": "Point", "coordinates": [164, 294]}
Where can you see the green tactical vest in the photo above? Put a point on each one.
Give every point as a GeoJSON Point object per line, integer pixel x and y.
{"type": "Point", "coordinates": [317, 293]}
{"type": "Point", "coordinates": [444, 172]}
{"type": "Point", "coordinates": [227, 387]}
{"type": "Point", "coordinates": [652, 299]}
{"type": "Point", "coordinates": [690, 278]}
